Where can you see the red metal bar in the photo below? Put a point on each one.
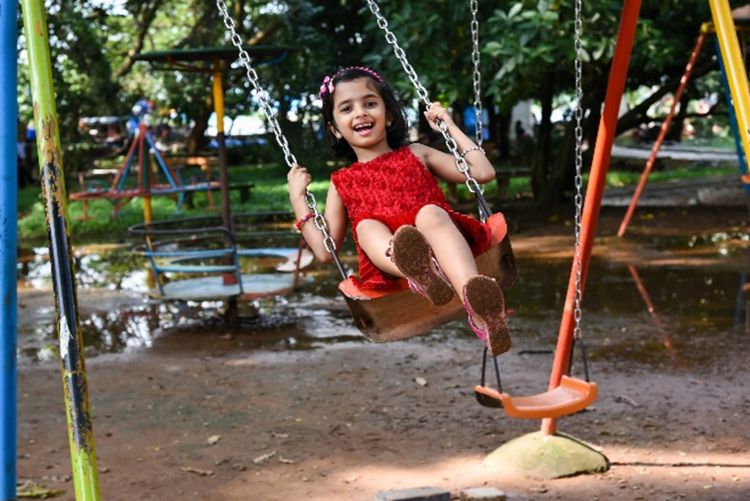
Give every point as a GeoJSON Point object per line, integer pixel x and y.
{"type": "Point", "coordinates": [662, 134]}
{"type": "Point", "coordinates": [600, 163]}
{"type": "Point", "coordinates": [116, 180]}
{"type": "Point", "coordinates": [141, 147]}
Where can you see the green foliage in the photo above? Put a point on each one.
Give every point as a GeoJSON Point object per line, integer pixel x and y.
{"type": "Point", "coordinates": [527, 52]}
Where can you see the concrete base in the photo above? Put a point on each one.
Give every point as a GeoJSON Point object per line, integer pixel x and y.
{"type": "Point", "coordinates": [543, 456]}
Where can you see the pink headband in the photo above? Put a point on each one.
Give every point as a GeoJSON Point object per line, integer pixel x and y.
{"type": "Point", "coordinates": [327, 85]}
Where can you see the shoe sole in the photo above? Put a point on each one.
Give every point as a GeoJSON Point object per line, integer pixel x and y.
{"type": "Point", "coordinates": [412, 255]}
{"type": "Point", "coordinates": [485, 297]}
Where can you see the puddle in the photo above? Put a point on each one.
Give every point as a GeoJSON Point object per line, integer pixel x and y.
{"type": "Point", "coordinates": [699, 313]}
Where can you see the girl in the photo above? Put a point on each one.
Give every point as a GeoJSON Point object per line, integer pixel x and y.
{"type": "Point", "coordinates": [401, 223]}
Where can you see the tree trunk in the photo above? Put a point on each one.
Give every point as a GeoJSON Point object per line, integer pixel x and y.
{"type": "Point", "coordinates": [540, 162]}
{"type": "Point", "coordinates": [197, 138]}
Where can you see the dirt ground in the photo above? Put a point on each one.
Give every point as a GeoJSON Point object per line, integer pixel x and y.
{"type": "Point", "coordinates": [213, 415]}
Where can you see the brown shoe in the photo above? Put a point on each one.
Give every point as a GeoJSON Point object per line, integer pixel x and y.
{"type": "Point", "coordinates": [413, 256]}
{"type": "Point", "coordinates": [484, 301]}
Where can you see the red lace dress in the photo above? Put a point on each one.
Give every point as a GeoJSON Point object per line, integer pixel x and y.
{"type": "Point", "coordinates": [392, 188]}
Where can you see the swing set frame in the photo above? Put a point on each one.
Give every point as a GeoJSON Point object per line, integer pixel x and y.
{"type": "Point", "coordinates": [80, 427]}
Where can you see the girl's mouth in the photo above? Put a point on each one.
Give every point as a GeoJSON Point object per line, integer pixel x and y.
{"type": "Point", "coordinates": [363, 129]}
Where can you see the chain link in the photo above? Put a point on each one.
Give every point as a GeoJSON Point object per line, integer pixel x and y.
{"type": "Point", "coordinates": [477, 76]}
{"type": "Point", "coordinates": [265, 103]}
{"type": "Point", "coordinates": [578, 116]}
{"type": "Point", "coordinates": [461, 164]}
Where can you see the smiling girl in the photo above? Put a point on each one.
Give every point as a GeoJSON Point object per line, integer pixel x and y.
{"type": "Point", "coordinates": [401, 222]}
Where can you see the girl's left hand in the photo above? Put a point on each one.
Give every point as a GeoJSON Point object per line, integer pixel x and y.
{"type": "Point", "coordinates": [436, 112]}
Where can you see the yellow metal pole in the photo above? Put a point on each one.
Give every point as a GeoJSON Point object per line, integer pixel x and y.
{"type": "Point", "coordinates": [735, 69]}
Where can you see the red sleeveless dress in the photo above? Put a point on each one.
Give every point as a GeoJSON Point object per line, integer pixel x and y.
{"type": "Point", "coordinates": [392, 188]}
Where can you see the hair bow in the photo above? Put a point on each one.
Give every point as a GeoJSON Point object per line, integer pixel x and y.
{"type": "Point", "coordinates": [327, 86]}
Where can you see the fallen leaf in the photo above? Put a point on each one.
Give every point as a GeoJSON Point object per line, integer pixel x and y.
{"type": "Point", "coordinates": [421, 381]}
{"type": "Point", "coordinates": [213, 439]}
{"type": "Point", "coordinates": [197, 471]}
{"type": "Point", "coordinates": [30, 489]}
{"type": "Point", "coordinates": [286, 461]}
{"type": "Point", "coordinates": [264, 457]}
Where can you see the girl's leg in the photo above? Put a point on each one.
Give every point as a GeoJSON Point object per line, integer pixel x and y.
{"type": "Point", "coordinates": [481, 295]}
{"type": "Point", "coordinates": [448, 244]}
{"type": "Point", "coordinates": [410, 256]}
{"type": "Point", "coordinates": [374, 238]}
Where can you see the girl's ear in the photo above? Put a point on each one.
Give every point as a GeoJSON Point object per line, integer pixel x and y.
{"type": "Point", "coordinates": [388, 119]}
{"type": "Point", "coordinates": [334, 131]}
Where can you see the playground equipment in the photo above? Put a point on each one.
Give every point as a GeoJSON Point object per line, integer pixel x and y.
{"type": "Point", "coordinates": [570, 395]}
{"type": "Point", "coordinates": [537, 454]}
{"type": "Point", "coordinates": [75, 388]}
{"type": "Point", "coordinates": [144, 150]}
{"type": "Point", "coordinates": [201, 247]}
{"type": "Point", "coordinates": [372, 313]}
{"type": "Point", "coordinates": [8, 243]}
{"type": "Point", "coordinates": [737, 94]}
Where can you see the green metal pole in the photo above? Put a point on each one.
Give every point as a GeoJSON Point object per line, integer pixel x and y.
{"type": "Point", "coordinates": [80, 430]}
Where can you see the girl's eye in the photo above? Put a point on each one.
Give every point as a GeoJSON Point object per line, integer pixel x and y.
{"type": "Point", "coordinates": [372, 104]}
{"type": "Point", "coordinates": [345, 109]}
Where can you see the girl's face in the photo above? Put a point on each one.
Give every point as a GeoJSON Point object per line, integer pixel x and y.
{"type": "Point", "coordinates": [360, 118]}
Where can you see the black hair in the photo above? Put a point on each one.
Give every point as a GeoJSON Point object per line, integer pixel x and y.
{"type": "Point", "coordinates": [396, 133]}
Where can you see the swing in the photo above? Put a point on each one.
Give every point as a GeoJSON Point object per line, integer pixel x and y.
{"type": "Point", "coordinates": [392, 315]}
{"type": "Point", "coordinates": [571, 395]}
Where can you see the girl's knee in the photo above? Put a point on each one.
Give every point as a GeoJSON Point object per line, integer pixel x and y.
{"type": "Point", "coordinates": [367, 227]}
{"type": "Point", "coordinates": [431, 215]}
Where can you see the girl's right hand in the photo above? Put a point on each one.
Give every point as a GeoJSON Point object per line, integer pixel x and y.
{"type": "Point", "coordinates": [299, 179]}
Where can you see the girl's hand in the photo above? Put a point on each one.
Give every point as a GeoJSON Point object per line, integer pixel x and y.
{"type": "Point", "coordinates": [436, 112]}
{"type": "Point", "coordinates": [299, 179]}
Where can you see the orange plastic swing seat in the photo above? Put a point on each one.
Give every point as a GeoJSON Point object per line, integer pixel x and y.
{"type": "Point", "coordinates": [571, 396]}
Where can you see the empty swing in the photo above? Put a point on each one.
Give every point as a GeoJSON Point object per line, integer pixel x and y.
{"type": "Point", "coordinates": [393, 315]}
{"type": "Point", "coordinates": [571, 395]}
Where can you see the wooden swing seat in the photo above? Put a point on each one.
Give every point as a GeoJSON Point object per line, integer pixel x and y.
{"type": "Point", "coordinates": [571, 396]}
{"type": "Point", "coordinates": [398, 314]}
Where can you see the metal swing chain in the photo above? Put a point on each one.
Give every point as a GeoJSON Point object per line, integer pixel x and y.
{"type": "Point", "coordinates": [477, 75]}
{"type": "Point", "coordinates": [461, 164]}
{"type": "Point", "coordinates": [578, 29]}
{"type": "Point", "coordinates": [270, 113]}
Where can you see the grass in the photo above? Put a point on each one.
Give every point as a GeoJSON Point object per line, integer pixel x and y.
{"type": "Point", "coordinates": [618, 179]}
{"type": "Point", "coordinates": [269, 194]}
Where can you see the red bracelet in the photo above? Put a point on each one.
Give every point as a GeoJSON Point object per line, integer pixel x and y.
{"type": "Point", "coordinates": [301, 221]}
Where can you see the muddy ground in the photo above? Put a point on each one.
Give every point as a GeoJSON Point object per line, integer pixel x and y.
{"type": "Point", "coordinates": [269, 413]}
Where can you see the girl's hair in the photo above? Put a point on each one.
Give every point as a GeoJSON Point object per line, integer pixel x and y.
{"type": "Point", "coordinates": [396, 133]}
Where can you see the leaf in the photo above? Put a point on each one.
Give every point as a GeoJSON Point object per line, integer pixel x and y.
{"type": "Point", "coordinates": [197, 471]}
{"type": "Point", "coordinates": [513, 12]}
{"type": "Point", "coordinates": [213, 439]}
{"type": "Point", "coordinates": [30, 489]}
{"type": "Point", "coordinates": [264, 457]}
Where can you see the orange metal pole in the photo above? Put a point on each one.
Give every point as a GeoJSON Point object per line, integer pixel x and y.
{"type": "Point", "coordinates": [605, 137]}
{"type": "Point", "coordinates": [662, 134]}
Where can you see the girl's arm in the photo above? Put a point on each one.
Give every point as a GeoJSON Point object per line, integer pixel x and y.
{"type": "Point", "coordinates": [335, 214]}
{"type": "Point", "coordinates": [443, 165]}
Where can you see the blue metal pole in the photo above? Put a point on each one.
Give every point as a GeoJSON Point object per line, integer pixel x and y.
{"type": "Point", "coordinates": [732, 116]}
{"type": "Point", "coordinates": [8, 242]}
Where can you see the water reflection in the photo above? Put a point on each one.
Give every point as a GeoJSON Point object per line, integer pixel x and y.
{"type": "Point", "coordinates": [654, 316]}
